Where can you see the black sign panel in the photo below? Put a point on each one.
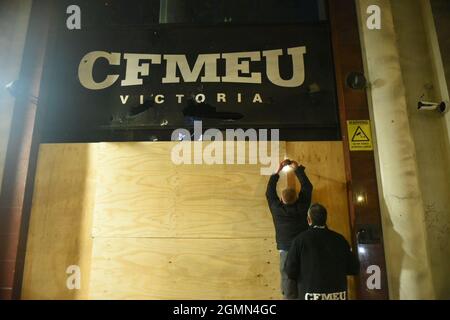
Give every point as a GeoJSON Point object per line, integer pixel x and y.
{"type": "Point", "coordinates": [115, 84]}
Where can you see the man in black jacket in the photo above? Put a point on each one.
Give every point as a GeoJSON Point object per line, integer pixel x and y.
{"type": "Point", "coordinates": [289, 217]}
{"type": "Point", "coordinates": [320, 260]}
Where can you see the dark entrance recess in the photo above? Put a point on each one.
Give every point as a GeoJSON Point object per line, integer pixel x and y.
{"type": "Point", "coordinates": [30, 129]}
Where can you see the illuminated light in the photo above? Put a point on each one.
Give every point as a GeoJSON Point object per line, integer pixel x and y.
{"type": "Point", "coordinates": [362, 250]}
{"type": "Point", "coordinates": [360, 199]}
{"type": "Point", "coordinates": [287, 169]}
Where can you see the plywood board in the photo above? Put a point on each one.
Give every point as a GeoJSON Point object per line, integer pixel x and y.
{"type": "Point", "coordinates": [60, 225]}
{"type": "Point", "coordinates": [141, 268]}
{"type": "Point", "coordinates": [324, 162]}
{"type": "Point", "coordinates": [136, 190]}
{"type": "Point", "coordinates": [141, 193]}
{"type": "Point", "coordinates": [162, 231]}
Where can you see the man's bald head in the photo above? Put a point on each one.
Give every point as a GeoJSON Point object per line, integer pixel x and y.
{"type": "Point", "coordinates": [289, 196]}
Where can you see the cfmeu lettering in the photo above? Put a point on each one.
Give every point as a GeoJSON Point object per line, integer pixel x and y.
{"type": "Point", "coordinates": [237, 68]}
{"type": "Point", "coordinates": [199, 98]}
{"type": "Point", "coordinates": [326, 296]}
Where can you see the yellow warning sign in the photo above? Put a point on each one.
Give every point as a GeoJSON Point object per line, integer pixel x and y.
{"type": "Point", "coordinates": [359, 135]}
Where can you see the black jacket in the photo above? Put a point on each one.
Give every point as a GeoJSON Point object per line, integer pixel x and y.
{"type": "Point", "coordinates": [289, 220]}
{"type": "Point", "coordinates": [320, 260]}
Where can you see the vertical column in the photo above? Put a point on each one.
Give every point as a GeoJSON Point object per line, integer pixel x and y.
{"type": "Point", "coordinates": [15, 196]}
{"type": "Point", "coordinates": [360, 166]}
{"type": "Point", "coordinates": [14, 18]}
{"type": "Point", "coordinates": [403, 208]}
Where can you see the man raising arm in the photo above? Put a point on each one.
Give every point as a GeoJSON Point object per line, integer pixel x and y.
{"type": "Point", "coordinates": [289, 217]}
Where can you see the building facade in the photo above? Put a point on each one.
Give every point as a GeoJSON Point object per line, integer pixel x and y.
{"type": "Point", "coordinates": [395, 193]}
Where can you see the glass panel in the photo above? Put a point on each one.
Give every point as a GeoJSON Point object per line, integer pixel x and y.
{"type": "Point", "coordinates": [201, 12]}
{"type": "Point", "coordinates": [241, 11]}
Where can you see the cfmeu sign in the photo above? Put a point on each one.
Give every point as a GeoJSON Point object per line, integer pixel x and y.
{"type": "Point", "coordinates": [233, 76]}
{"type": "Point", "coordinates": [237, 68]}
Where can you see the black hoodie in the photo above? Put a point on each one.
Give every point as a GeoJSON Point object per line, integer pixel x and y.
{"type": "Point", "coordinates": [320, 260]}
{"type": "Point", "coordinates": [289, 220]}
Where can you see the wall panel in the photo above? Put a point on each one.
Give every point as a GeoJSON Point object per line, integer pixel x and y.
{"type": "Point", "coordinates": [141, 193]}
{"type": "Point", "coordinates": [325, 168]}
{"type": "Point", "coordinates": [162, 231]}
{"type": "Point", "coordinates": [60, 226]}
{"type": "Point", "coordinates": [147, 268]}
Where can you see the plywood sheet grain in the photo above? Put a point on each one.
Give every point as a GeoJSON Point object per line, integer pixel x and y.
{"type": "Point", "coordinates": [142, 268]}
{"type": "Point", "coordinates": [324, 162]}
{"type": "Point", "coordinates": [60, 225]}
{"type": "Point", "coordinates": [163, 231]}
{"type": "Point", "coordinates": [136, 190]}
{"type": "Point", "coordinates": [141, 193]}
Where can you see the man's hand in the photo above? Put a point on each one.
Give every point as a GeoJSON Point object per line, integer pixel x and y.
{"type": "Point", "coordinates": [283, 164]}
{"type": "Point", "coordinates": [294, 165]}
